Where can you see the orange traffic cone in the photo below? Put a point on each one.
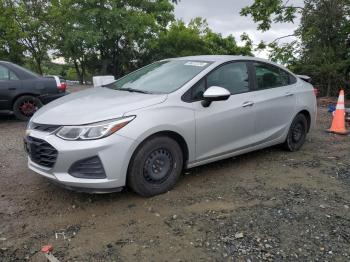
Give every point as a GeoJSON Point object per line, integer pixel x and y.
{"type": "Point", "coordinates": [338, 124]}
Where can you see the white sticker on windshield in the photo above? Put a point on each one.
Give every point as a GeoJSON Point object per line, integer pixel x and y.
{"type": "Point", "coordinates": [192, 63]}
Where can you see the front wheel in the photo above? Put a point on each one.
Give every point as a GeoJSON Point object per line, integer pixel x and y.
{"type": "Point", "coordinates": [155, 167]}
{"type": "Point", "coordinates": [25, 107]}
{"type": "Point", "coordinates": [297, 133]}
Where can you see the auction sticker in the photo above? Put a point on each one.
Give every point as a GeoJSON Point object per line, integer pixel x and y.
{"type": "Point", "coordinates": [193, 63]}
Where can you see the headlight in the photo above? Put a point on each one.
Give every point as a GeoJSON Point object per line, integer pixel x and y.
{"type": "Point", "coordinates": [93, 131]}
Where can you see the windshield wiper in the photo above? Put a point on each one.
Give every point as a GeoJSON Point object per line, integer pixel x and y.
{"type": "Point", "coordinates": [133, 90]}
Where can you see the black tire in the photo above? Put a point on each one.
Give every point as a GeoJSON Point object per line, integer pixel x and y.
{"type": "Point", "coordinates": [25, 107]}
{"type": "Point", "coordinates": [155, 166]}
{"type": "Point", "coordinates": [297, 133]}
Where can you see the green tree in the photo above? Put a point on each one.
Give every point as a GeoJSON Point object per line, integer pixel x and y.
{"type": "Point", "coordinates": [267, 12]}
{"type": "Point", "coordinates": [109, 34]}
{"type": "Point", "coordinates": [179, 40]}
{"type": "Point", "coordinates": [323, 33]}
{"type": "Point", "coordinates": [196, 38]}
{"type": "Point", "coordinates": [320, 48]}
{"type": "Point", "coordinates": [74, 38]}
{"type": "Point", "coordinates": [26, 28]}
{"type": "Point", "coordinates": [10, 48]}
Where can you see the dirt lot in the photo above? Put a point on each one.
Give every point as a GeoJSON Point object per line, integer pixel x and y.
{"type": "Point", "coordinates": [267, 205]}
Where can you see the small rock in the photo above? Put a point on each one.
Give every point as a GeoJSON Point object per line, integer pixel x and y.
{"type": "Point", "coordinates": [174, 217]}
{"type": "Point", "coordinates": [322, 206]}
{"type": "Point", "coordinates": [3, 238]}
{"type": "Point", "coordinates": [157, 214]}
{"type": "Point", "coordinates": [346, 206]}
{"type": "Point", "coordinates": [239, 235]}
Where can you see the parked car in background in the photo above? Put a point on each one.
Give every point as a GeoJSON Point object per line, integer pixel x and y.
{"type": "Point", "coordinates": [60, 81]}
{"type": "Point", "coordinates": [145, 128]}
{"type": "Point", "coordinates": [23, 92]}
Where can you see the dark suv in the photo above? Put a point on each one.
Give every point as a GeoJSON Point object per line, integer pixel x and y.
{"type": "Point", "coordinates": [23, 92]}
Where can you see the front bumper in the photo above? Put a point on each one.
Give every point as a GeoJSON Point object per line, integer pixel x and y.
{"type": "Point", "coordinates": [114, 152]}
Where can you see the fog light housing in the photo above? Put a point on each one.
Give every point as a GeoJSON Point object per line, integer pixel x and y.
{"type": "Point", "coordinates": [88, 168]}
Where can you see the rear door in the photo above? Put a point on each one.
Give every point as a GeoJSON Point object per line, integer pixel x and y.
{"type": "Point", "coordinates": [275, 101]}
{"type": "Point", "coordinates": [224, 126]}
{"type": "Point", "coordinates": [9, 85]}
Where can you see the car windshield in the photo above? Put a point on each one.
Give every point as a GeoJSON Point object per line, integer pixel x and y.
{"type": "Point", "coordinates": [160, 77]}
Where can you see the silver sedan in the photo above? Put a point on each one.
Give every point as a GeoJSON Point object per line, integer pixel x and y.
{"type": "Point", "coordinates": [144, 129]}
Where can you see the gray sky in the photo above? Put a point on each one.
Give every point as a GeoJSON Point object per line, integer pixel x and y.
{"type": "Point", "coordinates": [223, 17]}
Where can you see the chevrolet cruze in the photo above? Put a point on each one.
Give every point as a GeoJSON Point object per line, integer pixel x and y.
{"type": "Point", "coordinates": [143, 129]}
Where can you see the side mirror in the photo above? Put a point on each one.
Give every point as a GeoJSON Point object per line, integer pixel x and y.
{"type": "Point", "coordinates": [215, 93]}
{"type": "Point", "coordinates": [99, 81]}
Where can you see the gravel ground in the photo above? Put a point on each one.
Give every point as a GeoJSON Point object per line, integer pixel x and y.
{"type": "Point", "coordinates": [268, 205]}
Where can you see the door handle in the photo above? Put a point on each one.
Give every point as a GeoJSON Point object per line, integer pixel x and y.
{"type": "Point", "coordinates": [288, 94]}
{"type": "Point", "coordinates": [246, 104]}
{"type": "Point", "coordinates": [12, 88]}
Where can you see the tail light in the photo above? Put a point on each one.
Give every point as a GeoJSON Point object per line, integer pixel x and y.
{"type": "Point", "coordinates": [62, 87]}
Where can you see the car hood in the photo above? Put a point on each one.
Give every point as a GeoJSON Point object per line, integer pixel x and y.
{"type": "Point", "coordinates": [93, 105]}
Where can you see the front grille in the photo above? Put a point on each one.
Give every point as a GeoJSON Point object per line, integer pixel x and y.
{"type": "Point", "coordinates": [40, 152]}
{"type": "Point", "coordinates": [44, 128]}
{"type": "Point", "coordinates": [90, 168]}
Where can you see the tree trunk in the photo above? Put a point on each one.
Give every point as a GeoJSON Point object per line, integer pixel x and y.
{"type": "Point", "coordinates": [329, 87]}
{"type": "Point", "coordinates": [38, 65]}
{"type": "Point", "coordinates": [83, 73]}
{"type": "Point", "coordinates": [104, 67]}
{"type": "Point", "coordinates": [80, 76]}
{"type": "Point", "coordinates": [115, 69]}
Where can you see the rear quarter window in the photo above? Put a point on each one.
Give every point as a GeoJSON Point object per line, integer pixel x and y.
{"type": "Point", "coordinates": [270, 76]}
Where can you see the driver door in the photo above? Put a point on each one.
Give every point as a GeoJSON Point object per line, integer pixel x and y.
{"type": "Point", "coordinates": [224, 126]}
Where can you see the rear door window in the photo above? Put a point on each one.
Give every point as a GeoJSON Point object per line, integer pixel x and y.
{"type": "Point", "coordinates": [269, 76]}
{"type": "Point", "coordinates": [6, 74]}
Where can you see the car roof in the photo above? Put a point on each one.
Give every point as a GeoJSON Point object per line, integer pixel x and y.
{"type": "Point", "coordinates": [227, 58]}
{"type": "Point", "coordinates": [219, 58]}
{"type": "Point", "coordinates": [20, 71]}
{"type": "Point", "coordinates": [5, 62]}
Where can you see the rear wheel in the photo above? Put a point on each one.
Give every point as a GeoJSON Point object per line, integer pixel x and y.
{"type": "Point", "coordinates": [155, 166]}
{"type": "Point", "coordinates": [297, 133]}
{"type": "Point", "coordinates": [25, 107]}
